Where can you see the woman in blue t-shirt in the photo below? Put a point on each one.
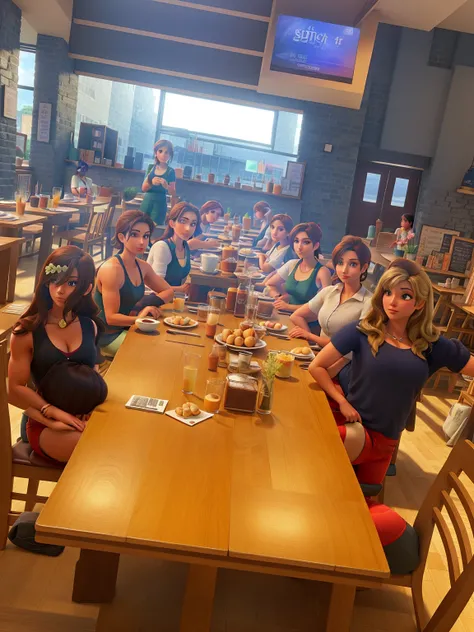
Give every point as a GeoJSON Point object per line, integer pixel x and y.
{"type": "Point", "coordinates": [160, 180]}
{"type": "Point", "coordinates": [395, 349]}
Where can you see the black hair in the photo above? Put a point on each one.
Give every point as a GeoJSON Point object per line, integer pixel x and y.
{"type": "Point", "coordinates": [125, 224]}
{"type": "Point", "coordinates": [409, 218]}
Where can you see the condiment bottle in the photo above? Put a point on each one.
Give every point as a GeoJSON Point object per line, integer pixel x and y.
{"type": "Point", "coordinates": [241, 300]}
{"type": "Point", "coordinates": [230, 300]}
{"type": "Point", "coordinates": [213, 359]}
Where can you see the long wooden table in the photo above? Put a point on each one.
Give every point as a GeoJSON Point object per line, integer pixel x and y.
{"type": "Point", "coordinates": [271, 494]}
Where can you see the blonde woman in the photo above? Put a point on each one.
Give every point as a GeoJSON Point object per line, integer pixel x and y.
{"type": "Point", "coordinates": [395, 349]}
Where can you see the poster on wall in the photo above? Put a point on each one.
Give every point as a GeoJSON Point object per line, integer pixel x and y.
{"type": "Point", "coordinates": [44, 122]}
{"type": "Point", "coordinates": [9, 102]}
{"type": "Point", "coordinates": [292, 183]}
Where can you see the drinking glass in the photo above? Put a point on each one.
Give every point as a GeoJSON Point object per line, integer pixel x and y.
{"type": "Point", "coordinates": [190, 371]}
{"type": "Point", "coordinates": [20, 199]}
{"type": "Point", "coordinates": [211, 323]}
{"type": "Point", "coordinates": [57, 192]}
{"type": "Point", "coordinates": [251, 308]}
{"type": "Point", "coordinates": [202, 312]}
{"type": "Point", "coordinates": [179, 301]}
{"type": "Point", "coordinates": [214, 395]}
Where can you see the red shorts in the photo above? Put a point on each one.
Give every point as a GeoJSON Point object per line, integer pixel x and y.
{"type": "Point", "coordinates": [33, 431]}
{"type": "Point", "coordinates": [372, 463]}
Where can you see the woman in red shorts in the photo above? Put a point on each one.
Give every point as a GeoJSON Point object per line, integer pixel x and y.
{"type": "Point", "coordinates": [60, 325]}
{"type": "Point", "coordinates": [395, 349]}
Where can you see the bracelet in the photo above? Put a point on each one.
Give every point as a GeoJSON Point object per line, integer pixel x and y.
{"type": "Point", "coordinates": [44, 409]}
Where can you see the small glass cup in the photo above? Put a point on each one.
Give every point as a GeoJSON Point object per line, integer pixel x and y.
{"type": "Point", "coordinates": [213, 315]}
{"type": "Point", "coordinates": [20, 200]}
{"type": "Point", "coordinates": [222, 351]}
{"type": "Point", "coordinates": [190, 371]}
{"type": "Point", "coordinates": [202, 312]}
{"type": "Point", "coordinates": [214, 395]}
{"type": "Point", "coordinates": [179, 301]}
{"type": "Point", "coordinates": [251, 312]}
{"type": "Point", "coordinates": [243, 361]}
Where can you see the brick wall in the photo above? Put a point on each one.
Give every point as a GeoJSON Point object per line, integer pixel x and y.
{"type": "Point", "coordinates": [55, 83]}
{"type": "Point", "coordinates": [10, 24]}
{"type": "Point", "coordinates": [445, 209]}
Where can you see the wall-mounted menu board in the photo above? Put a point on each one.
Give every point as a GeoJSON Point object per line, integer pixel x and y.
{"type": "Point", "coordinates": [462, 251]}
{"type": "Point", "coordinates": [434, 238]}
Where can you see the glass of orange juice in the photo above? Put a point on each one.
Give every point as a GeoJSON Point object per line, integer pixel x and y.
{"type": "Point", "coordinates": [212, 321]}
{"type": "Point", "coordinates": [190, 371]}
{"type": "Point", "coordinates": [57, 192]}
{"type": "Point", "coordinates": [214, 393]}
{"type": "Point", "coordinates": [20, 199]}
{"type": "Point", "coordinates": [179, 301]}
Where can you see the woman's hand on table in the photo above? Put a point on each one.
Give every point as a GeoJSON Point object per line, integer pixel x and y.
{"type": "Point", "coordinates": [299, 332]}
{"type": "Point", "coordinates": [349, 412]}
{"type": "Point", "coordinates": [151, 311]}
{"type": "Point", "coordinates": [280, 303]}
{"type": "Point", "coordinates": [183, 288]}
{"type": "Point", "coordinates": [60, 420]}
{"type": "Point", "coordinates": [212, 243]}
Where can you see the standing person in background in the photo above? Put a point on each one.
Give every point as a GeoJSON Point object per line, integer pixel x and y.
{"type": "Point", "coordinates": [263, 212]}
{"type": "Point", "coordinates": [159, 181]}
{"type": "Point", "coordinates": [81, 186]}
{"type": "Point", "coordinates": [405, 233]}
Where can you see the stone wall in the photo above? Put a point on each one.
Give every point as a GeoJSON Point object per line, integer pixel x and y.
{"type": "Point", "coordinates": [10, 24]}
{"type": "Point", "coordinates": [55, 83]}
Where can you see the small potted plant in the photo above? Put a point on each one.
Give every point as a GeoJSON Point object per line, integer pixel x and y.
{"type": "Point", "coordinates": [265, 397]}
{"type": "Point", "coordinates": [410, 251]}
{"type": "Point", "coordinates": [19, 157]}
{"type": "Point", "coordinates": [129, 193]}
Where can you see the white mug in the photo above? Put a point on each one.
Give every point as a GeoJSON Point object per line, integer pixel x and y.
{"type": "Point", "coordinates": [209, 262]}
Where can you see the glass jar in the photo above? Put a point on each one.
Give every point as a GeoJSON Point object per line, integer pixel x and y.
{"type": "Point", "coordinates": [265, 396]}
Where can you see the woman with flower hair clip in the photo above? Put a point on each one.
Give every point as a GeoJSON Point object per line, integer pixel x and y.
{"type": "Point", "coordinates": [395, 349]}
{"type": "Point", "coordinates": [60, 325]}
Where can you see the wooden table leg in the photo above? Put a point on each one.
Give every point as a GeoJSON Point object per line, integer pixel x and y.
{"type": "Point", "coordinates": [5, 275]}
{"type": "Point", "coordinates": [438, 305]}
{"type": "Point", "coordinates": [95, 577]}
{"type": "Point", "coordinates": [46, 246]}
{"type": "Point", "coordinates": [14, 257]}
{"type": "Point", "coordinates": [340, 608]}
{"type": "Point", "coordinates": [198, 600]}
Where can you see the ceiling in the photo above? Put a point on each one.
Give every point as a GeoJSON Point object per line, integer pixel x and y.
{"type": "Point", "coordinates": [53, 17]}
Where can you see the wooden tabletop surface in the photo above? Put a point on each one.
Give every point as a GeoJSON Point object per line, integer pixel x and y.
{"type": "Point", "coordinates": [50, 212]}
{"type": "Point", "coordinates": [7, 242]}
{"type": "Point", "coordinates": [469, 309]}
{"type": "Point", "coordinates": [83, 203]}
{"type": "Point", "coordinates": [22, 221]}
{"type": "Point", "coordinates": [277, 487]}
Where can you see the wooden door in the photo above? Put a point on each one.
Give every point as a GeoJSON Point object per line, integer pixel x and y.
{"type": "Point", "coordinates": [383, 192]}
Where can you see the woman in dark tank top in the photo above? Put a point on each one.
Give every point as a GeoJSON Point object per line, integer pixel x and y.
{"type": "Point", "coordinates": [60, 326]}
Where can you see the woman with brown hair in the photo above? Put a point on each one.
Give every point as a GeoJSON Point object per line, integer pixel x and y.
{"type": "Point", "coordinates": [263, 212]}
{"type": "Point", "coordinates": [395, 349]}
{"type": "Point", "coordinates": [209, 213]}
{"type": "Point", "coordinates": [160, 180]}
{"type": "Point", "coordinates": [60, 325]}
{"type": "Point", "coordinates": [281, 252]}
{"type": "Point", "coordinates": [169, 256]}
{"type": "Point", "coordinates": [297, 281]}
{"type": "Point", "coordinates": [337, 305]}
{"type": "Point", "coordinates": [121, 281]}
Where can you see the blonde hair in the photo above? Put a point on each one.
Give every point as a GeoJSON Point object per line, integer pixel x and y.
{"type": "Point", "coordinates": [420, 329]}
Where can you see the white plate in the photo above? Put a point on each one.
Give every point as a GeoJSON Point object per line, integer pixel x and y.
{"type": "Point", "coordinates": [254, 277]}
{"type": "Point", "coordinates": [190, 421]}
{"type": "Point", "coordinates": [261, 344]}
{"type": "Point", "coordinates": [277, 331]}
{"type": "Point", "coordinates": [210, 273]}
{"type": "Point", "coordinates": [251, 253]}
{"type": "Point", "coordinates": [300, 356]}
{"type": "Point", "coordinates": [192, 324]}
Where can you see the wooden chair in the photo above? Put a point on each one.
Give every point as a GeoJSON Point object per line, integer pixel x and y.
{"type": "Point", "coordinates": [96, 230]}
{"type": "Point", "coordinates": [31, 234]}
{"type": "Point", "coordinates": [466, 396]}
{"type": "Point", "coordinates": [385, 241]}
{"type": "Point", "coordinates": [17, 461]}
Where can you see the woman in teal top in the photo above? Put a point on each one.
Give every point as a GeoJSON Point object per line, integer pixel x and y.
{"type": "Point", "coordinates": [159, 181]}
{"type": "Point", "coordinates": [121, 281]}
{"type": "Point", "coordinates": [299, 280]}
{"type": "Point", "coordinates": [169, 256]}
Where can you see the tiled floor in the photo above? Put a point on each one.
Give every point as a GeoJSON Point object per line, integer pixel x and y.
{"type": "Point", "coordinates": [35, 591]}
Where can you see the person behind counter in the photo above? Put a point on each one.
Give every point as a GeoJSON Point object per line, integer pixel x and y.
{"type": "Point", "coordinates": [81, 186]}
{"type": "Point", "coordinates": [121, 281]}
{"type": "Point", "coordinates": [297, 281]}
{"type": "Point", "coordinates": [209, 214]}
{"type": "Point", "coordinates": [263, 213]}
{"type": "Point", "coordinates": [170, 256]}
{"type": "Point", "coordinates": [159, 181]}
{"type": "Point", "coordinates": [281, 252]}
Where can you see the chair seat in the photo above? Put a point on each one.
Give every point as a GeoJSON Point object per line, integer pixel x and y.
{"type": "Point", "coordinates": [23, 455]}
{"type": "Point", "coordinates": [72, 235]}
{"type": "Point", "coordinates": [33, 229]}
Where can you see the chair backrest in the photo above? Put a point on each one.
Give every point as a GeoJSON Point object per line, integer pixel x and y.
{"type": "Point", "coordinates": [385, 240]}
{"type": "Point", "coordinates": [5, 434]}
{"type": "Point", "coordinates": [447, 493]}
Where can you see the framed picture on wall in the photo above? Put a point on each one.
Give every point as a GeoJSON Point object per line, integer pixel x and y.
{"type": "Point", "coordinates": [292, 183]}
{"type": "Point", "coordinates": [21, 140]}
{"type": "Point", "coordinates": [9, 99]}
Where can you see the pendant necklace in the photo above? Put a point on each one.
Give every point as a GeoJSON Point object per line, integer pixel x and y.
{"type": "Point", "coordinates": [396, 338]}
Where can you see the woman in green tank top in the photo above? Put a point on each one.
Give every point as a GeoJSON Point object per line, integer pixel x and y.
{"type": "Point", "coordinates": [299, 280]}
{"type": "Point", "coordinates": [121, 281]}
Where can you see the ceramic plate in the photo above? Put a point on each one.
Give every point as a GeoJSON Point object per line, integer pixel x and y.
{"type": "Point", "coordinates": [169, 322]}
{"type": "Point", "coordinates": [189, 421]}
{"type": "Point", "coordinates": [261, 344]}
{"type": "Point", "coordinates": [277, 331]}
{"type": "Point", "coordinates": [301, 356]}
{"type": "Point", "coordinates": [254, 277]}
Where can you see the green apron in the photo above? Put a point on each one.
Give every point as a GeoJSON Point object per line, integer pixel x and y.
{"type": "Point", "coordinates": [301, 292]}
{"type": "Point", "coordinates": [154, 200]}
{"type": "Point", "coordinates": [176, 273]}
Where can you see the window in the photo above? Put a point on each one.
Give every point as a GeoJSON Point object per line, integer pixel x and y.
{"type": "Point", "coordinates": [130, 110]}
{"type": "Point", "coordinates": [26, 85]}
{"type": "Point", "coordinates": [400, 190]}
{"type": "Point", "coordinates": [371, 190]}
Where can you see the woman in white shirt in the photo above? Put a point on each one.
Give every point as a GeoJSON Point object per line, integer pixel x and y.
{"type": "Point", "coordinates": [337, 305]}
{"type": "Point", "coordinates": [281, 252]}
{"type": "Point", "coordinates": [170, 256]}
{"type": "Point", "coordinates": [80, 185]}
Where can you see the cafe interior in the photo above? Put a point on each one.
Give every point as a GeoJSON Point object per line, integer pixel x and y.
{"type": "Point", "coordinates": [354, 115]}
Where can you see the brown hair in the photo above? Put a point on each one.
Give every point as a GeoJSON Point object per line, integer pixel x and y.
{"type": "Point", "coordinates": [164, 143]}
{"type": "Point", "coordinates": [125, 224]}
{"type": "Point", "coordinates": [178, 211]}
{"type": "Point", "coordinates": [262, 207]}
{"type": "Point", "coordinates": [348, 243]}
{"type": "Point", "coordinates": [78, 303]}
{"type": "Point", "coordinates": [313, 231]}
{"type": "Point", "coordinates": [285, 220]}
{"type": "Point", "coordinates": [210, 206]}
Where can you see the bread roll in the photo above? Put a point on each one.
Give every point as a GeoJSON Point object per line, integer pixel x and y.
{"type": "Point", "coordinates": [239, 341]}
{"type": "Point", "coordinates": [250, 341]}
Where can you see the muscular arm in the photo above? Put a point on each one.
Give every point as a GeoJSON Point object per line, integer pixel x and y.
{"type": "Point", "coordinates": [319, 369]}
{"type": "Point", "coordinates": [155, 282]}
{"type": "Point", "coordinates": [21, 355]}
{"type": "Point", "coordinates": [276, 284]}
{"type": "Point", "coordinates": [323, 278]}
{"type": "Point", "coordinates": [111, 279]}
{"type": "Point", "coordinates": [300, 319]}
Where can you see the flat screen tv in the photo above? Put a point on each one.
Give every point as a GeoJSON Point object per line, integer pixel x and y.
{"type": "Point", "coordinates": [315, 49]}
